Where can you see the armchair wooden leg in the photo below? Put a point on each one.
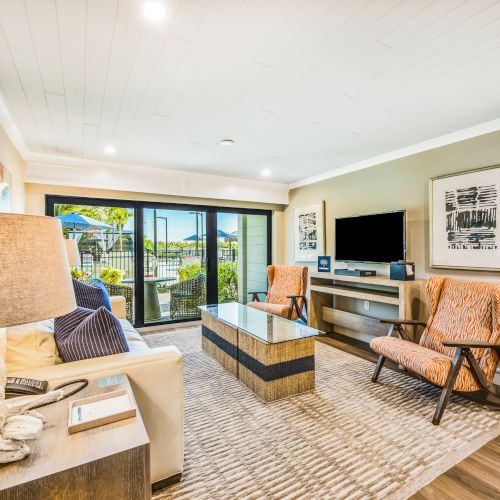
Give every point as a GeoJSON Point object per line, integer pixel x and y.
{"type": "Point", "coordinates": [456, 364]}
{"type": "Point", "coordinates": [378, 368]}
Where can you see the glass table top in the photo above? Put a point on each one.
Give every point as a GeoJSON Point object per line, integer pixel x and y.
{"type": "Point", "coordinates": [266, 327]}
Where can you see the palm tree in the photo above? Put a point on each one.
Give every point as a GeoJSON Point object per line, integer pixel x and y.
{"type": "Point", "coordinates": [97, 213]}
{"type": "Point", "coordinates": [118, 217]}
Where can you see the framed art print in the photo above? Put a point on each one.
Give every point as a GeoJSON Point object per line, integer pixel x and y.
{"type": "Point", "coordinates": [308, 222]}
{"type": "Point", "coordinates": [464, 232]}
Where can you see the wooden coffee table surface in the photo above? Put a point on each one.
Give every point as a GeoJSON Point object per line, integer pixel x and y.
{"type": "Point", "coordinates": [111, 461]}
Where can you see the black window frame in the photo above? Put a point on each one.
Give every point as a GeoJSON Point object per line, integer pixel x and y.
{"type": "Point", "coordinates": [138, 206]}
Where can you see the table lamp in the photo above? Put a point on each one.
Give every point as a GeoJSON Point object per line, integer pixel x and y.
{"type": "Point", "coordinates": [72, 253]}
{"type": "Point", "coordinates": [34, 285]}
{"type": "Point", "coordinates": [34, 280]}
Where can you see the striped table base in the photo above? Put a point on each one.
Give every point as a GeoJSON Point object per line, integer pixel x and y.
{"type": "Point", "coordinates": [271, 371]}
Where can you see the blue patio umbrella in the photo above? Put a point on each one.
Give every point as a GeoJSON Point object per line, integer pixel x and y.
{"type": "Point", "coordinates": [220, 234]}
{"type": "Point", "coordinates": [194, 237]}
{"type": "Point", "coordinates": [80, 222]}
{"type": "Point", "coordinates": [226, 236]}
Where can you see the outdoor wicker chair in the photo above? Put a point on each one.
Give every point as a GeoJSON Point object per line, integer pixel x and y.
{"type": "Point", "coordinates": [128, 293]}
{"type": "Point", "coordinates": [186, 296]}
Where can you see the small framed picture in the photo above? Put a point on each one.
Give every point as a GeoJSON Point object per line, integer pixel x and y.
{"type": "Point", "coordinates": [464, 232]}
{"type": "Point", "coordinates": [309, 231]}
{"type": "Point", "coordinates": [324, 263]}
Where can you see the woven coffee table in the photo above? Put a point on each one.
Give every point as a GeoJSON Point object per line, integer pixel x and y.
{"type": "Point", "coordinates": [272, 356]}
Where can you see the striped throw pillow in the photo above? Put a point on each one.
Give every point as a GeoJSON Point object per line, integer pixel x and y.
{"type": "Point", "coordinates": [91, 296]}
{"type": "Point", "coordinates": [84, 334]}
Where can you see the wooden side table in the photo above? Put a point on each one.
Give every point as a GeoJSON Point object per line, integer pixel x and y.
{"type": "Point", "coordinates": [107, 462]}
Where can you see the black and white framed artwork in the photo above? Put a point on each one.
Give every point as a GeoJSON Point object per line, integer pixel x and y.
{"type": "Point", "coordinates": [463, 220]}
{"type": "Point", "coordinates": [309, 232]}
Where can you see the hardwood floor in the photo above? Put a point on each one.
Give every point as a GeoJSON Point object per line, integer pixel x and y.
{"type": "Point", "coordinates": [478, 476]}
{"type": "Point", "coordinates": [475, 477]}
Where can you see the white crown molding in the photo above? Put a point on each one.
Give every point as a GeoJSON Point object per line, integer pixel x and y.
{"type": "Point", "coordinates": [8, 124]}
{"type": "Point", "coordinates": [78, 172]}
{"type": "Point", "coordinates": [437, 142]}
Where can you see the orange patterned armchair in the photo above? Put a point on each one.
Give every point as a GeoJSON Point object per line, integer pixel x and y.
{"type": "Point", "coordinates": [286, 292]}
{"type": "Point", "coordinates": [460, 347]}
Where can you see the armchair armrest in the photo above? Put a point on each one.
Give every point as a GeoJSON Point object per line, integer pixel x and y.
{"type": "Point", "coordinates": [118, 306]}
{"type": "Point", "coordinates": [403, 322]}
{"type": "Point", "coordinates": [471, 344]}
{"type": "Point", "coordinates": [255, 295]}
{"type": "Point", "coordinates": [397, 324]}
{"type": "Point", "coordinates": [295, 305]}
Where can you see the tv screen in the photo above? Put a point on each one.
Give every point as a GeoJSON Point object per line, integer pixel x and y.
{"type": "Point", "coordinates": [371, 238]}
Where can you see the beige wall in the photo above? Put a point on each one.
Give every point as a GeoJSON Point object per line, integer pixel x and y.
{"type": "Point", "coordinates": [35, 202]}
{"type": "Point", "coordinates": [13, 162]}
{"type": "Point", "coordinates": [400, 184]}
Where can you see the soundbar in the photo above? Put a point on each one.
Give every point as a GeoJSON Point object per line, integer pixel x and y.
{"type": "Point", "coordinates": [355, 272]}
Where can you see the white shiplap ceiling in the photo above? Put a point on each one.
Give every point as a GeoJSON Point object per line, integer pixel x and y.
{"type": "Point", "coordinates": [303, 87]}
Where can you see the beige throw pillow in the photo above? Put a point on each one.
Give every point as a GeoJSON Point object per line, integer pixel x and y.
{"type": "Point", "coordinates": [3, 343]}
{"type": "Point", "coordinates": [30, 346]}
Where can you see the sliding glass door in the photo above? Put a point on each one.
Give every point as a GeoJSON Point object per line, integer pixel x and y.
{"type": "Point", "coordinates": [243, 255]}
{"type": "Point", "coordinates": [175, 281]}
{"type": "Point", "coordinates": [168, 259]}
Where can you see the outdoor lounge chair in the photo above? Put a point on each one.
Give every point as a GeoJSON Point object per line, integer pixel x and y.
{"type": "Point", "coordinates": [286, 292]}
{"type": "Point", "coordinates": [460, 347]}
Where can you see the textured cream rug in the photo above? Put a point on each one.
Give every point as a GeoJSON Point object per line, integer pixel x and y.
{"type": "Point", "coordinates": [349, 438]}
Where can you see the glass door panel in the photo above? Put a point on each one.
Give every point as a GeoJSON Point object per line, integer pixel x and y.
{"type": "Point", "coordinates": [105, 241]}
{"type": "Point", "coordinates": [242, 252]}
{"type": "Point", "coordinates": [166, 259]}
{"type": "Point", "coordinates": [175, 278]}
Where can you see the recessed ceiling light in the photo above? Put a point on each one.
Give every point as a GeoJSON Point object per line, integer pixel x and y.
{"type": "Point", "coordinates": [154, 11]}
{"type": "Point", "coordinates": [226, 142]}
{"type": "Point", "coordinates": [110, 150]}
{"type": "Point", "coordinates": [266, 172]}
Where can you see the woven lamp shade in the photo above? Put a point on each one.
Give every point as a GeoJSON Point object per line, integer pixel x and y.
{"type": "Point", "coordinates": [35, 282]}
{"type": "Point", "coordinates": [72, 252]}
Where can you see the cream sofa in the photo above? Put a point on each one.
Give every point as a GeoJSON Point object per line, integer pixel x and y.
{"type": "Point", "coordinates": [154, 373]}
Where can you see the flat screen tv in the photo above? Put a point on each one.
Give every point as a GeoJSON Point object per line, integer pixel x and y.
{"type": "Point", "coordinates": [371, 238]}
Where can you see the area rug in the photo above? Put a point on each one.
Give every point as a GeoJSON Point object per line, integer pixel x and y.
{"type": "Point", "coordinates": [349, 438]}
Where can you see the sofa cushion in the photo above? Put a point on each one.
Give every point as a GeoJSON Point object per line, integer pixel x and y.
{"type": "Point", "coordinates": [133, 337]}
{"type": "Point", "coordinates": [30, 346]}
{"type": "Point", "coordinates": [276, 309]}
{"type": "Point", "coordinates": [96, 334]}
{"type": "Point", "coordinates": [91, 296]}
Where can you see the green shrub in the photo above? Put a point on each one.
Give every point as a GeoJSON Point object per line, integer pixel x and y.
{"type": "Point", "coordinates": [227, 278]}
{"type": "Point", "coordinates": [188, 271]}
{"type": "Point", "coordinates": [112, 275]}
{"type": "Point", "coordinates": [79, 274]}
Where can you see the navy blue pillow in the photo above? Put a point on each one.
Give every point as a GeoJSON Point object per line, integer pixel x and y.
{"type": "Point", "coordinates": [84, 334]}
{"type": "Point", "coordinates": [91, 296]}
{"type": "Point", "coordinates": [65, 325]}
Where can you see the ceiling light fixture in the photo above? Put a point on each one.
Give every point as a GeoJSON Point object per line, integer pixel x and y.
{"type": "Point", "coordinates": [226, 142]}
{"type": "Point", "coordinates": [266, 173]}
{"type": "Point", "coordinates": [110, 150]}
{"type": "Point", "coordinates": [154, 11]}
